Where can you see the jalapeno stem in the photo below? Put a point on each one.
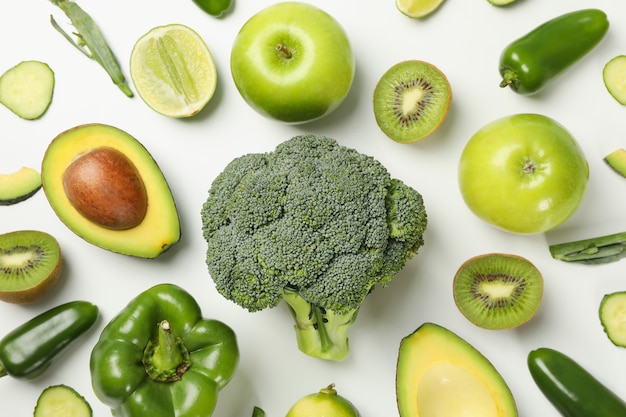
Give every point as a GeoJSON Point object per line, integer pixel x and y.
{"type": "Point", "coordinates": [90, 41]}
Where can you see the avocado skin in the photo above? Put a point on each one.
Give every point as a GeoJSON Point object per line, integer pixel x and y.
{"type": "Point", "coordinates": [160, 228]}
{"type": "Point", "coordinates": [431, 345]}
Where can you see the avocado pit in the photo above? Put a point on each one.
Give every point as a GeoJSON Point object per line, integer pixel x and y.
{"type": "Point", "coordinates": [105, 187]}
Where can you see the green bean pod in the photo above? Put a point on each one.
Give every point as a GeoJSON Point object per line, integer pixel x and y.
{"type": "Point", "coordinates": [529, 63]}
{"type": "Point", "coordinates": [28, 350]}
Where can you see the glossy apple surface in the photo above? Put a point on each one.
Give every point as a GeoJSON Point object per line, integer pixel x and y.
{"type": "Point", "coordinates": [292, 62]}
{"type": "Point", "coordinates": [523, 173]}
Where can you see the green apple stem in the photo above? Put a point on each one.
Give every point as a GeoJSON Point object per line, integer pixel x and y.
{"type": "Point", "coordinates": [597, 250]}
{"type": "Point", "coordinates": [284, 51]}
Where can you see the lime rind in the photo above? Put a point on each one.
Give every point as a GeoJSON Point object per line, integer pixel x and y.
{"type": "Point", "coordinates": [173, 70]}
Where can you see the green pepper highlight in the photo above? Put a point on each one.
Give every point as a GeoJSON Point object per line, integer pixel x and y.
{"type": "Point", "coordinates": [160, 357]}
{"type": "Point", "coordinates": [529, 63]}
{"type": "Point", "coordinates": [571, 389]}
{"type": "Point", "coordinates": [28, 350]}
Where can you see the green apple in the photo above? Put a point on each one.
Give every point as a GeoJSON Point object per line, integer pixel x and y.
{"type": "Point", "coordinates": [292, 62]}
{"type": "Point", "coordinates": [523, 173]}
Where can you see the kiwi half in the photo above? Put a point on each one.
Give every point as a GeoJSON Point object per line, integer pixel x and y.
{"type": "Point", "coordinates": [498, 291]}
{"type": "Point", "coordinates": [411, 100]}
{"type": "Point", "coordinates": [30, 264]}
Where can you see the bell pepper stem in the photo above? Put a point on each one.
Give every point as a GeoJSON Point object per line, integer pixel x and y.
{"type": "Point", "coordinates": [166, 354]}
{"type": "Point", "coordinates": [167, 358]}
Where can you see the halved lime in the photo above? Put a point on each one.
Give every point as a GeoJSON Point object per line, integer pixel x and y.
{"type": "Point", "coordinates": [614, 76]}
{"type": "Point", "coordinates": [173, 70]}
{"type": "Point", "coordinates": [418, 8]}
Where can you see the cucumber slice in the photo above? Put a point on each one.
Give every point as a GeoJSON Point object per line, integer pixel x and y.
{"type": "Point", "coordinates": [62, 401]}
{"type": "Point", "coordinates": [614, 76]}
{"type": "Point", "coordinates": [19, 185]}
{"type": "Point", "coordinates": [613, 317]}
{"type": "Point", "coordinates": [26, 89]}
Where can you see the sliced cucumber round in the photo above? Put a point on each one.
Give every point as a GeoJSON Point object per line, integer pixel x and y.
{"type": "Point", "coordinates": [26, 89]}
{"type": "Point", "coordinates": [614, 77]}
{"type": "Point", "coordinates": [62, 401]}
{"type": "Point", "coordinates": [613, 317]}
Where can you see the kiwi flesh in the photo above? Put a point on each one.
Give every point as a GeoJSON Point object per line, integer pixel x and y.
{"type": "Point", "coordinates": [498, 290]}
{"type": "Point", "coordinates": [411, 100]}
{"type": "Point", "coordinates": [30, 265]}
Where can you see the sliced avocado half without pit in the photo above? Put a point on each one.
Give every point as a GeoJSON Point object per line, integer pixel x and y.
{"type": "Point", "coordinates": [441, 374]}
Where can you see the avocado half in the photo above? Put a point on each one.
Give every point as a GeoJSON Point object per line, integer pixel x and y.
{"type": "Point", "coordinates": [440, 374]}
{"type": "Point", "coordinates": [155, 231]}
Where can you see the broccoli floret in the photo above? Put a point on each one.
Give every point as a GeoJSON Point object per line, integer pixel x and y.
{"type": "Point", "coordinates": [312, 223]}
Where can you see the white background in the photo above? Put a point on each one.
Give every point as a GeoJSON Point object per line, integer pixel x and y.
{"type": "Point", "coordinates": [464, 39]}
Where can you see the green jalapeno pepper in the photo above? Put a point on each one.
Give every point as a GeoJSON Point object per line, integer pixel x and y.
{"type": "Point", "coordinates": [571, 389]}
{"type": "Point", "coordinates": [160, 358]}
{"type": "Point", "coordinates": [28, 350]}
{"type": "Point", "coordinates": [529, 63]}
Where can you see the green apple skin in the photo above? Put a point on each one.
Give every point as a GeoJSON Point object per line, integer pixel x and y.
{"type": "Point", "coordinates": [523, 173]}
{"type": "Point", "coordinates": [292, 62]}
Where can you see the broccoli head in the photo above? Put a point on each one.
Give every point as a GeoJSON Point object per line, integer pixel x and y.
{"type": "Point", "coordinates": [312, 223]}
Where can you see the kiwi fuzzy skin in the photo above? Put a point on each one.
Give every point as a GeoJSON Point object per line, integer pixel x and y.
{"type": "Point", "coordinates": [36, 292]}
{"type": "Point", "coordinates": [497, 323]}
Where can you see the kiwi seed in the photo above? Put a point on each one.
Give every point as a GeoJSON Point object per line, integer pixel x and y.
{"type": "Point", "coordinates": [30, 264]}
{"type": "Point", "coordinates": [498, 291]}
{"type": "Point", "coordinates": [411, 100]}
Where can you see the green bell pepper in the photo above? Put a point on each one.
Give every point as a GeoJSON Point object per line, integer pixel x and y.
{"type": "Point", "coordinates": [160, 358]}
{"type": "Point", "coordinates": [529, 63]}
{"type": "Point", "coordinates": [29, 349]}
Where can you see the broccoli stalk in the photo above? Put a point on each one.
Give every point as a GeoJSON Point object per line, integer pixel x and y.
{"type": "Point", "coordinates": [314, 224]}
{"type": "Point", "coordinates": [320, 332]}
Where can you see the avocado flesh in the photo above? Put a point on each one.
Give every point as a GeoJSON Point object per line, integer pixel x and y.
{"type": "Point", "coordinates": [19, 185]}
{"type": "Point", "coordinates": [440, 374]}
{"type": "Point", "coordinates": [159, 229]}
{"type": "Point", "coordinates": [617, 161]}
